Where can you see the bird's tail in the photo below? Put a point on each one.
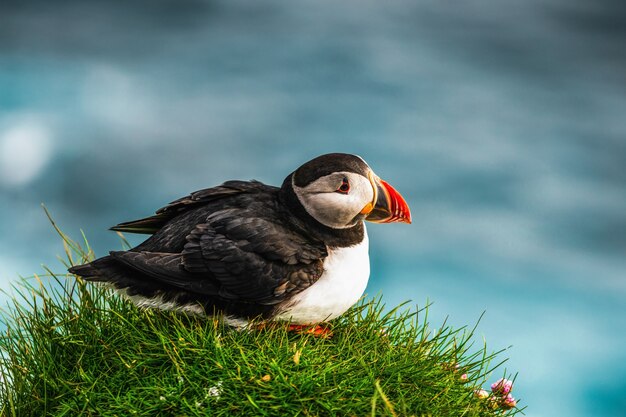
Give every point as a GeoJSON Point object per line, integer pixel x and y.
{"type": "Point", "coordinates": [85, 271]}
{"type": "Point", "coordinates": [104, 269]}
{"type": "Point", "coordinates": [107, 269]}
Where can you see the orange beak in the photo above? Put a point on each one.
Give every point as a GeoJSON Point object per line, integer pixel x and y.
{"type": "Point", "coordinates": [388, 205]}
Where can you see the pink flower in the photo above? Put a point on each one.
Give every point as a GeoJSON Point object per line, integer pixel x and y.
{"type": "Point", "coordinates": [509, 402]}
{"type": "Point", "coordinates": [481, 393]}
{"type": "Point", "coordinates": [464, 377]}
{"type": "Point", "coordinates": [502, 386]}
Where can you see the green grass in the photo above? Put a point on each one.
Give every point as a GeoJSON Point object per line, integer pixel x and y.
{"type": "Point", "coordinates": [76, 349]}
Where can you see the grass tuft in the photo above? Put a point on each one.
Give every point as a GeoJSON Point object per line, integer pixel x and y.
{"type": "Point", "coordinates": [72, 348]}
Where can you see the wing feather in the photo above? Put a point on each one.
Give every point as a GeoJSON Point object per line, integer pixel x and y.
{"type": "Point", "coordinates": [237, 255]}
{"type": "Point", "coordinates": [153, 224]}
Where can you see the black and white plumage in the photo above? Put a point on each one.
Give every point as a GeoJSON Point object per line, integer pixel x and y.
{"type": "Point", "coordinates": [244, 249]}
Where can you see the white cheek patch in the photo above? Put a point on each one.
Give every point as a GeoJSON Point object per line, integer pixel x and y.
{"type": "Point", "coordinates": [331, 208]}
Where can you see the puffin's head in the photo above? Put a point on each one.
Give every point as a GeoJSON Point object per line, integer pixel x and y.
{"type": "Point", "coordinates": [340, 190]}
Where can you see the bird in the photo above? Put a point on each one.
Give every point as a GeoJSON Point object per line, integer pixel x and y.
{"type": "Point", "coordinates": [248, 251]}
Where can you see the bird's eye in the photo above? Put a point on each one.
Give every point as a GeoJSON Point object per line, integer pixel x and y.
{"type": "Point", "coordinates": [344, 187]}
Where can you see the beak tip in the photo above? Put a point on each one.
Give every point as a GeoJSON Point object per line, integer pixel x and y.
{"type": "Point", "coordinates": [406, 218]}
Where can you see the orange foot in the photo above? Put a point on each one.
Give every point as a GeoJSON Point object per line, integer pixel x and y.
{"type": "Point", "coordinates": [316, 330]}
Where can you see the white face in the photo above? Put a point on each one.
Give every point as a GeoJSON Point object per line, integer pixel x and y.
{"type": "Point", "coordinates": [336, 199]}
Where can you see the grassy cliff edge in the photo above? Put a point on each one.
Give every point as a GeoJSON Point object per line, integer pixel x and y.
{"type": "Point", "coordinates": [72, 348]}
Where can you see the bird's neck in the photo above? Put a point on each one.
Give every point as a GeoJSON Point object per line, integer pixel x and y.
{"type": "Point", "coordinates": [301, 219]}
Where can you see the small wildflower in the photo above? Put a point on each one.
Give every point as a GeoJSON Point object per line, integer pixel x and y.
{"type": "Point", "coordinates": [464, 378]}
{"type": "Point", "coordinates": [481, 393]}
{"type": "Point", "coordinates": [502, 386]}
{"type": "Point", "coordinates": [266, 378]}
{"type": "Point", "coordinates": [216, 390]}
{"type": "Point", "coordinates": [162, 398]}
{"type": "Point", "coordinates": [509, 402]}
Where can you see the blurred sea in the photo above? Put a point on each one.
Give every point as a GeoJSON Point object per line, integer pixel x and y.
{"type": "Point", "coordinates": [501, 122]}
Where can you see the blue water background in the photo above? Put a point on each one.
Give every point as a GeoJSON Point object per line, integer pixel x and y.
{"type": "Point", "coordinates": [501, 122]}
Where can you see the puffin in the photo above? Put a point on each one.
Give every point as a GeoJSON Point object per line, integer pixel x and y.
{"type": "Point", "coordinates": [247, 251]}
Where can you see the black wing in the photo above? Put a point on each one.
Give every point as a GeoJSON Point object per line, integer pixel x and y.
{"type": "Point", "coordinates": [237, 255]}
{"type": "Point", "coordinates": [153, 224]}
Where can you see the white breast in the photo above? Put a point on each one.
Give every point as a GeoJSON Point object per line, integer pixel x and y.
{"type": "Point", "coordinates": [346, 271]}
